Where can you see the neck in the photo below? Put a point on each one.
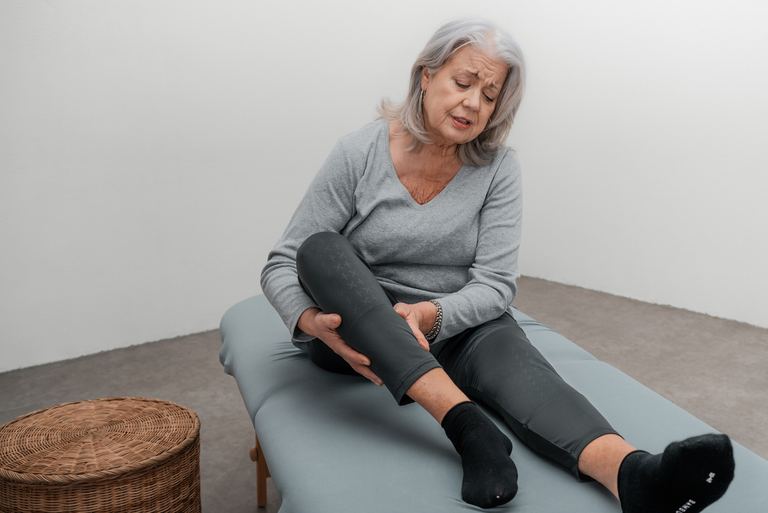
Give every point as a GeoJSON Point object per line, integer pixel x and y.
{"type": "Point", "coordinates": [436, 161]}
{"type": "Point", "coordinates": [431, 162]}
{"type": "Point", "coordinates": [440, 148]}
{"type": "Point", "coordinates": [439, 151]}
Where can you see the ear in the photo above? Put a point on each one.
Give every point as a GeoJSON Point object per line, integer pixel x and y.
{"type": "Point", "coordinates": [424, 78]}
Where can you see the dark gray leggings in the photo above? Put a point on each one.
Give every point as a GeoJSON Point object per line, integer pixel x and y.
{"type": "Point", "coordinates": [493, 363]}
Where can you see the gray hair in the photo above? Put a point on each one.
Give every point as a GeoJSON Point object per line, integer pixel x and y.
{"type": "Point", "coordinates": [439, 49]}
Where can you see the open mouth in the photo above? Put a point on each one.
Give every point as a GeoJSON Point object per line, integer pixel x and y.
{"type": "Point", "coordinates": [462, 122]}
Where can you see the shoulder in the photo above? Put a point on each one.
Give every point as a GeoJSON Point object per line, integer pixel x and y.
{"type": "Point", "coordinates": [505, 184]}
{"type": "Point", "coordinates": [365, 137]}
{"type": "Point", "coordinates": [504, 168]}
{"type": "Point", "coordinates": [505, 161]}
{"type": "Point", "coordinates": [355, 152]}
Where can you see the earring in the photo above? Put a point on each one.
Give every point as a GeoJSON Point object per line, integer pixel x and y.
{"type": "Point", "coordinates": [421, 100]}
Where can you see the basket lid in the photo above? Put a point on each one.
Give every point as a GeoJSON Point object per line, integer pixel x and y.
{"type": "Point", "coordinates": [91, 440]}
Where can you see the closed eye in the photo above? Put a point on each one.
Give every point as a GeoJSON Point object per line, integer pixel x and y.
{"type": "Point", "coordinates": [466, 86]}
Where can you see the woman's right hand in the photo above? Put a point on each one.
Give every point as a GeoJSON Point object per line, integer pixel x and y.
{"type": "Point", "coordinates": [317, 324]}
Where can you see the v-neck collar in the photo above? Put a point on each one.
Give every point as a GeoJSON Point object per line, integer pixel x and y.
{"type": "Point", "coordinates": [386, 136]}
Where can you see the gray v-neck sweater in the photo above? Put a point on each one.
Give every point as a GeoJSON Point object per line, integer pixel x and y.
{"type": "Point", "coordinates": [460, 248]}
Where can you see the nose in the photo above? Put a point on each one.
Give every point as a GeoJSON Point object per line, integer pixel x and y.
{"type": "Point", "coordinates": [472, 100]}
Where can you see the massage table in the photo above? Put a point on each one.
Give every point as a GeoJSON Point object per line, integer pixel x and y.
{"type": "Point", "coordinates": [335, 443]}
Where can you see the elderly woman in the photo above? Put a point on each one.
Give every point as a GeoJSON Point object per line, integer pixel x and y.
{"type": "Point", "coordinates": [400, 264]}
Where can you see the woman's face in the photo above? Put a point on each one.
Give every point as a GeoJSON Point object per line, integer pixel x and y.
{"type": "Point", "coordinates": [461, 96]}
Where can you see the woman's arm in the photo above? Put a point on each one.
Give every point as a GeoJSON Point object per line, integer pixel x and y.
{"type": "Point", "coordinates": [492, 276]}
{"type": "Point", "coordinates": [328, 205]}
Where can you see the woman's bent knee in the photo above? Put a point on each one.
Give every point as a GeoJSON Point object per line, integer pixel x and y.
{"type": "Point", "coordinates": [314, 245]}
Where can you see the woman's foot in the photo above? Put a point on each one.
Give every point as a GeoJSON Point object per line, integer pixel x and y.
{"type": "Point", "coordinates": [490, 476]}
{"type": "Point", "coordinates": [687, 477]}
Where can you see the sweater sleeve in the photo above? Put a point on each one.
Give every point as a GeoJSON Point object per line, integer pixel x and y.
{"type": "Point", "coordinates": [494, 272]}
{"type": "Point", "coordinates": [328, 205]}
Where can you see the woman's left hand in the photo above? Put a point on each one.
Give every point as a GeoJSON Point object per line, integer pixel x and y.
{"type": "Point", "coordinates": [420, 317]}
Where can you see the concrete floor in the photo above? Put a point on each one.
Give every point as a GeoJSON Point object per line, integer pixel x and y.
{"type": "Point", "coordinates": [714, 368]}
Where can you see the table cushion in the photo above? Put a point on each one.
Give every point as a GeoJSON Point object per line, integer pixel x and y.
{"type": "Point", "coordinates": [337, 443]}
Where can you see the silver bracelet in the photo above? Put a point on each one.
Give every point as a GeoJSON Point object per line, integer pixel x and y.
{"type": "Point", "coordinates": [432, 335]}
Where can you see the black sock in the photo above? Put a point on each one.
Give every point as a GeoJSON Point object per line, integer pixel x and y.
{"type": "Point", "coordinates": [490, 476]}
{"type": "Point", "coordinates": [686, 478]}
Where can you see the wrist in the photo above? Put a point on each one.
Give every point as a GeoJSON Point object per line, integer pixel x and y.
{"type": "Point", "coordinates": [437, 324]}
{"type": "Point", "coordinates": [427, 315]}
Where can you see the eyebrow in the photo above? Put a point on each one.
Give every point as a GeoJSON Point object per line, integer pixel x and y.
{"type": "Point", "coordinates": [477, 76]}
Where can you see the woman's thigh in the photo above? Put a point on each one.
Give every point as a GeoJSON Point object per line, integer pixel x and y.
{"type": "Point", "coordinates": [496, 364]}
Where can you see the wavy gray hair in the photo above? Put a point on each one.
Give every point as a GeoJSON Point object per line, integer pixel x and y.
{"type": "Point", "coordinates": [444, 44]}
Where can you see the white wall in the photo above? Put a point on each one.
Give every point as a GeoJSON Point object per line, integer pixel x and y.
{"type": "Point", "coordinates": [644, 144]}
{"type": "Point", "coordinates": [152, 152]}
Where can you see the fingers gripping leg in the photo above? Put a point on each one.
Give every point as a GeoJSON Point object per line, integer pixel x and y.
{"type": "Point", "coordinates": [340, 282]}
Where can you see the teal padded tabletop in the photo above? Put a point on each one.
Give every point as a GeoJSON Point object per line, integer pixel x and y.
{"type": "Point", "coordinates": [338, 444]}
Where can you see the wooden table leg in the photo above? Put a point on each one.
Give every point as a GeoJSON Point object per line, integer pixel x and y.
{"type": "Point", "coordinates": [262, 473]}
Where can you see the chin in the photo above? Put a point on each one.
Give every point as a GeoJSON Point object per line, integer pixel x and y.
{"type": "Point", "coordinates": [461, 138]}
{"type": "Point", "coordinates": [465, 140]}
{"type": "Point", "coordinates": [456, 136]}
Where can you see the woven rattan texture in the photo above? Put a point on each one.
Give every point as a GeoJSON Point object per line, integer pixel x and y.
{"type": "Point", "coordinates": [107, 455]}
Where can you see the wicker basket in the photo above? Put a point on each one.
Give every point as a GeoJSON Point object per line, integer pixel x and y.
{"type": "Point", "coordinates": [122, 454]}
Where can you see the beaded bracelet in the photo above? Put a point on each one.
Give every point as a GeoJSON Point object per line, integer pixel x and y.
{"type": "Point", "coordinates": [432, 335]}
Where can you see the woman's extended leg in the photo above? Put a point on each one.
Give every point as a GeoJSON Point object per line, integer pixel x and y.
{"type": "Point", "coordinates": [496, 364]}
{"type": "Point", "coordinates": [340, 282]}
{"type": "Point", "coordinates": [601, 460]}
{"type": "Point", "coordinates": [688, 476]}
